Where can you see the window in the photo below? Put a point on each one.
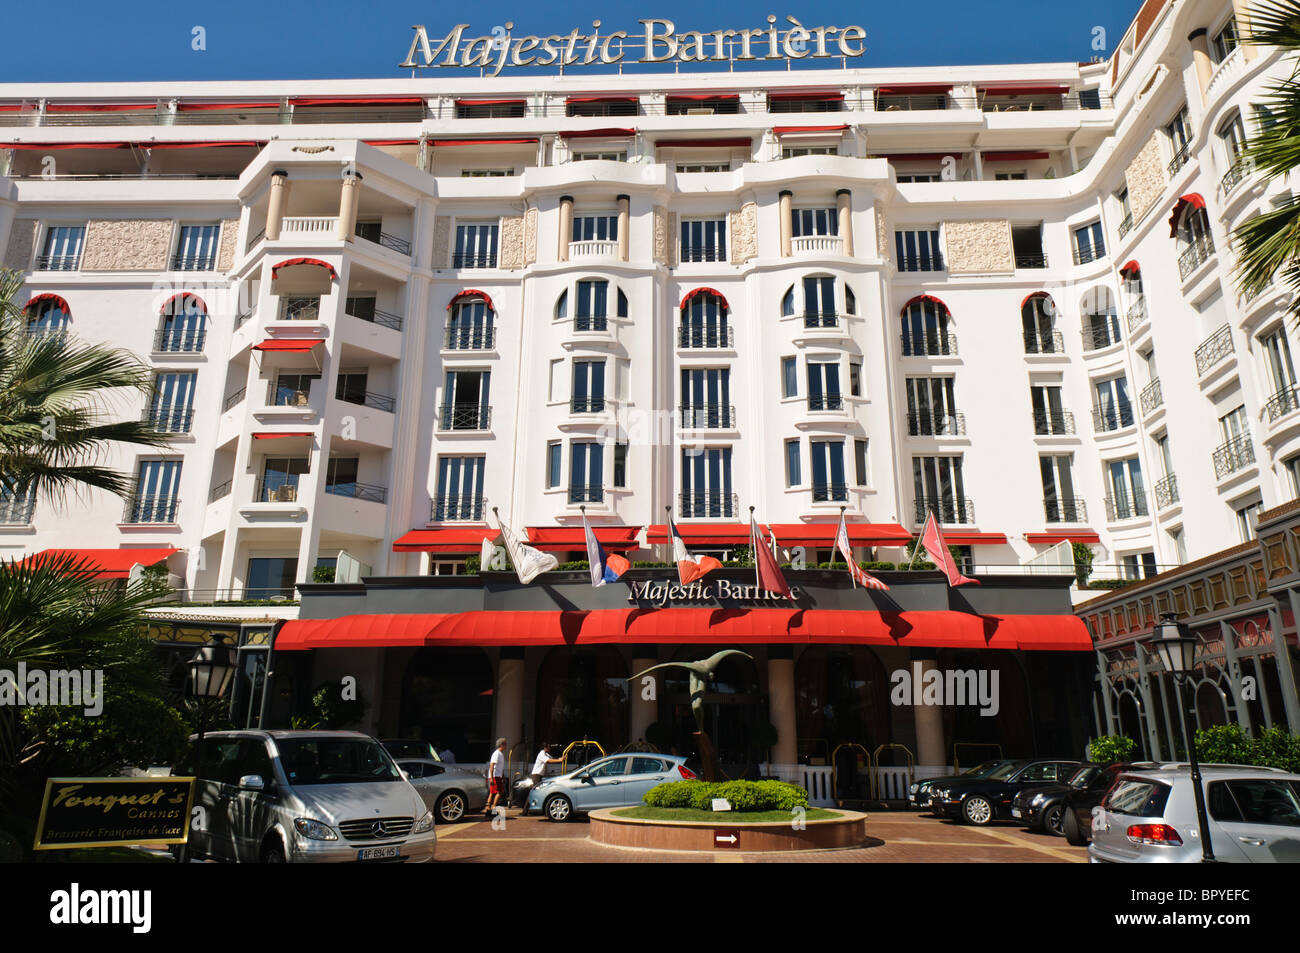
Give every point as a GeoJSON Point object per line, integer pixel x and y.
{"type": "Point", "coordinates": [184, 323]}
{"type": "Point", "coordinates": [706, 397]}
{"type": "Point", "coordinates": [824, 386]}
{"type": "Point", "coordinates": [293, 389]}
{"type": "Point", "coordinates": [931, 406]}
{"type": "Point", "coordinates": [1059, 502]}
{"type": "Point", "coordinates": [1139, 565]}
{"type": "Point", "coordinates": [1179, 132]}
{"type": "Point", "coordinates": [341, 478]}
{"type": "Point", "coordinates": [706, 482]}
{"type": "Point", "coordinates": [1038, 321]}
{"type": "Point", "coordinates": [476, 246]}
{"type": "Point", "coordinates": [622, 304]}
{"type": "Point", "coordinates": [819, 303]}
{"type": "Point", "coordinates": [939, 488]}
{"type": "Point", "coordinates": [1234, 425]}
{"type": "Point", "coordinates": [17, 508]}
{"type": "Point", "coordinates": [270, 576]}
{"type": "Point", "coordinates": [792, 474]}
{"type": "Point", "coordinates": [591, 312]}
{"type": "Point", "coordinates": [351, 386]}
{"type": "Point", "coordinates": [486, 173]}
{"type": "Point", "coordinates": [1113, 409]}
{"type": "Point", "coordinates": [1247, 520]}
{"type": "Point", "coordinates": [828, 471]}
{"type": "Point", "coordinates": [918, 250]}
{"type": "Point", "coordinates": [553, 454]}
{"type": "Point", "coordinates": [595, 228]}
{"type": "Point", "coordinates": [704, 167]}
{"type": "Point", "coordinates": [512, 109]}
{"type": "Point", "coordinates": [1164, 455]}
{"type": "Point", "coordinates": [1089, 245]}
{"type": "Point", "coordinates": [459, 493]}
{"type": "Point", "coordinates": [925, 329]}
{"type": "Point", "coordinates": [855, 378]}
{"type": "Point", "coordinates": [1101, 324]}
{"type": "Point", "coordinates": [620, 465]}
{"type": "Point", "coordinates": [1125, 211]}
{"type": "Point", "coordinates": [904, 177]}
{"type": "Point", "coordinates": [62, 248]}
{"type": "Point", "coordinates": [704, 323]}
{"type": "Point", "coordinates": [1292, 467]}
{"type": "Point", "coordinates": [814, 221]}
{"type": "Point", "coordinates": [49, 315]}
{"type": "Point", "coordinates": [1225, 41]}
{"type": "Point", "coordinates": [153, 498]}
{"type": "Point", "coordinates": [1010, 176]}
{"type": "Point", "coordinates": [860, 462]}
{"type": "Point", "coordinates": [360, 307]}
{"type": "Point", "coordinates": [196, 250]}
{"type": "Point", "coordinates": [1233, 136]}
{"type": "Point", "coordinates": [1277, 358]}
{"type": "Point", "coordinates": [465, 401]}
{"type": "Point", "coordinates": [850, 301]}
{"type": "Point", "coordinates": [704, 240]}
{"type": "Point", "coordinates": [586, 472]}
{"type": "Point", "coordinates": [789, 377]}
{"type": "Point", "coordinates": [171, 409]}
{"type": "Point", "coordinates": [1180, 545]}
{"type": "Point", "coordinates": [1128, 498]}
{"type": "Point", "coordinates": [619, 156]}
{"type": "Point", "coordinates": [280, 477]}
{"type": "Point", "coordinates": [1049, 415]}
{"type": "Point", "coordinates": [794, 152]}
{"type": "Point", "coordinates": [1027, 246]}
{"type": "Point", "coordinates": [470, 327]}
{"type": "Point", "coordinates": [702, 105]}
{"type": "Point", "coordinates": [371, 231]}
{"type": "Point", "coordinates": [588, 394]}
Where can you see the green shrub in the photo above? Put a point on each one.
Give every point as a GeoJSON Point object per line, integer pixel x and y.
{"type": "Point", "coordinates": [1111, 583]}
{"type": "Point", "coordinates": [878, 566]}
{"type": "Point", "coordinates": [1229, 744]}
{"type": "Point", "coordinates": [322, 574]}
{"type": "Point", "coordinates": [1083, 557]}
{"type": "Point", "coordinates": [672, 794]}
{"type": "Point", "coordinates": [473, 565]}
{"type": "Point", "coordinates": [744, 796]}
{"type": "Point", "coordinates": [1277, 748]}
{"type": "Point", "coordinates": [1111, 749]}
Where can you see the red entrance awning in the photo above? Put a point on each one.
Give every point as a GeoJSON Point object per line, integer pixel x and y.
{"type": "Point", "coordinates": [561, 538]}
{"type": "Point", "coordinates": [205, 144]}
{"type": "Point", "coordinates": [704, 291]}
{"type": "Point", "coordinates": [602, 99]}
{"type": "Point", "coordinates": [356, 631]}
{"type": "Point", "coordinates": [299, 345]}
{"type": "Point", "coordinates": [106, 563]}
{"type": "Point", "coordinates": [915, 89]}
{"type": "Point", "coordinates": [457, 539]}
{"type": "Point", "coordinates": [1023, 90]}
{"type": "Point", "coordinates": [701, 97]}
{"type": "Point", "coordinates": [809, 95]}
{"type": "Point", "coordinates": [490, 102]}
{"type": "Point", "coordinates": [1190, 200]}
{"type": "Point", "coordinates": [1014, 156]}
{"type": "Point", "coordinates": [100, 107]}
{"type": "Point", "coordinates": [290, 262]}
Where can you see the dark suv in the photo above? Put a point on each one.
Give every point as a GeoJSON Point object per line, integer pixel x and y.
{"type": "Point", "coordinates": [981, 801]}
{"type": "Point", "coordinates": [1046, 808]}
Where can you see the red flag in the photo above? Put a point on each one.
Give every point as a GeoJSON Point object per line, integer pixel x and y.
{"type": "Point", "coordinates": [768, 572]}
{"type": "Point", "coordinates": [859, 575]}
{"type": "Point", "coordinates": [933, 542]}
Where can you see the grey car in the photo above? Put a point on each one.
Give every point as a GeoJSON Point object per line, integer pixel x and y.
{"type": "Point", "coordinates": [448, 791]}
{"type": "Point", "coordinates": [1149, 816]}
{"type": "Point", "coordinates": [620, 780]}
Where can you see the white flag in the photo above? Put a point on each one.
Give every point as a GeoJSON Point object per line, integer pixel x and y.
{"type": "Point", "coordinates": [529, 563]}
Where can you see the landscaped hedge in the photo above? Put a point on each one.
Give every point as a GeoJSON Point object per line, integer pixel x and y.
{"type": "Point", "coordinates": [1229, 744]}
{"type": "Point", "coordinates": [743, 795]}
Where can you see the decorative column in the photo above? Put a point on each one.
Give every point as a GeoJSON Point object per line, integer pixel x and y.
{"type": "Point", "coordinates": [787, 223]}
{"type": "Point", "coordinates": [349, 201]}
{"type": "Point", "coordinates": [510, 697]}
{"type": "Point", "coordinates": [781, 704]}
{"type": "Point", "coordinates": [643, 712]}
{"type": "Point", "coordinates": [623, 222]}
{"type": "Point", "coordinates": [1199, 40]}
{"type": "Point", "coordinates": [276, 203]}
{"type": "Point", "coordinates": [1241, 10]}
{"type": "Point", "coordinates": [929, 718]}
{"type": "Point", "coordinates": [566, 227]}
{"type": "Point", "coordinates": [844, 208]}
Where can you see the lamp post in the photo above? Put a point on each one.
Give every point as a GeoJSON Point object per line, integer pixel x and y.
{"type": "Point", "coordinates": [1176, 647]}
{"type": "Point", "coordinates": [211, 669]}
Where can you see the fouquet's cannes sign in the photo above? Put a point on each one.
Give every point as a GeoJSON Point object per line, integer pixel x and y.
{"type": "Point", "coordinates": [103, 812]}
{"type": "Point", "coordinates": [658, 42]}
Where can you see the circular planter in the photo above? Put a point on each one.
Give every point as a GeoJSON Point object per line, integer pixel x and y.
{"type": "Point", "coordinates": [847, 830]}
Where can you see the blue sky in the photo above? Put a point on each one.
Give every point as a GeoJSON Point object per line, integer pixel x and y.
{"type": "Point", "coordinates": [291, 39]}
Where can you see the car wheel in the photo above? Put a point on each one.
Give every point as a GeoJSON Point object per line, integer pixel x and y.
{"type": "Point", "coordinates": [273, 852]}
{"type": "Point", "coordinates": [1070, 828]}
{"type": "Point", "coordinates": [558, 807]}
{"type": "Point", "coordinates": [450, 807]}
{"type": "Point", "coordinates": [977, 810]}
{"type": "Point", "coordinates": [1053, 819]}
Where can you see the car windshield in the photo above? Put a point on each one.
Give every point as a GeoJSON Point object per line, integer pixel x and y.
{"type": "Point", "coordinates": [1082, 777]}
{"type": "Point", "coordinates": [404, 748]}
{"type": "Point", "coordinates": [335, 761]}
{"type": "Point", "coordinates": [1004, 770]}
{"type": "Point", "coordinates": [980, 770]}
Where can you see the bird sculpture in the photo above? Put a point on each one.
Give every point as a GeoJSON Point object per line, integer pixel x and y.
{"type": "Point", "coordinates": [701, 673]}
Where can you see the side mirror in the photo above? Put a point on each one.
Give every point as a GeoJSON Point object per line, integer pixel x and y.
{"type": "Point", "coordinates": [251, 782]}
{"type": "Point", "coordinates": [585, 779]}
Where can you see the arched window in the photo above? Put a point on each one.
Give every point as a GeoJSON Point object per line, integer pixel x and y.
{"type": "Point", "coordinates": [787, 302]}
{"type": "Point", "coordinates": [592, 308]}
{"type": "Point", "coordinates": [1137, 303]}
{"type": "Point", "coordinates": [47, 314]}
{"type": "Point", "coordinates": [470, 325]}
{"type": "Point", "coordinates": [1190, 225]}
{"type": "Point", "coordinates": [850, 301]}
{"type": "Point", "coordinates": [1038, 318]}
{"type": "Point", "coordinates": [622, 304]}
{"type": "Point", "coordinates": [704, 320]}
{"type": "Point", "coordinates": [926, 328]}
{"type": "Point", "coordinates": [184, 324]}
{"type": "Point", "coordinates": [1100, 320]}
{"type": "Point", "coordinates": [562, 305]}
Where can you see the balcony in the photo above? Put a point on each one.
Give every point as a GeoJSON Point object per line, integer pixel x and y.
{"type": "Point", "coordinates": [593, 248]}
{"type": "Point", "coordinates": [936, 424]}
{"type": "Point", "coordinates": [384, 319]}
{"type": "Point", "coordinates": [826, 402]}
{"type": "Point", "coordinates": [590, 322]}
{"type": "Point", "coordinates": [168, 420]}
{"type": "Point", "coordinates": [456, 507]}
{"type": "Point", "coordinates": [1083, 256]}
{"type": "Point", "coordinates": [708, 417]}
{"type": "Point", "coordinates": [1053, 423]}
{"type": "Point", "coordinates": [399, 245]}
{"type": "Point", "coordinates": [219, 492]}
{"type": "Point", "coordinates": [830, 492]}
{"type": "Point", "coordinates": [1107, 419]}
{"type": "Point", "coordinates": [701, 253]}
{"type": "Point", "coordinates": [151, 509]}
{"type": "Point", "coordinates": [932, 262]}
{"type": "Point", "coordinates": [1100, 332]}
{"type": "Point", "coordinates": [1065, 511]}
{"type": "Point", "coordinates": [587, 405]}
{"type": "Point", "coordinates": [1031, 259]}
{"type": "Point", "coordinates": [586, 493]}
{"type": "Point", "coordinates": [1126, 507]}
{"type": "Point", "coordinates": [702, 504]}
{"type": "Point", "coordinates": [1181, 157]}
{"type": "Point", "coordinates": [1283, 402]}
{"type": "Point", "coordinates": [1233, 455]}
{"type": "Point", "coordinates": [1235, 176]}
{"type": "Point", "coordinates": [1044, 342]}
{"type": "Point", "coordinates": [469, 338]}
{"type": "Point", "coordinates": [946, 510]}
{"type": "Point", "coordinates": [464, 416]}
{"type": "Point", "coordinates": [706, 337]}
{"type": "Point", "coordinates": [300, 308]}
{"type": "Point", "coordinates": [1126, 226]}
{"type": "Point", "coordinates": [234, 399]}
{"type": "Point", "coordinates": [193, 263]}
{"type": "Point", "coordinates": [1213, 349]}
{"type": "Point", "coordinates": [1166, 492]}
{"type": "Point", "coordinates": [896, 102]}
{"type": "Point", "coordinates": [460, 260]}
{"type": "Point", "coordinates": [359, 491]}
{"type": "Point", "coordinates": [1194, 255]}
{"type": "Point", "coordinates": [821, 319]}
{"type": "Point", "coordinates": [1151, 397]}
{"type": "Point", "coordinates": [930, 344]}
{"type": "Point", "coordinates": [57, 262]}
{"type": "Point", "coordinates": [179, 340]}
{"type": "Point", "coordinates": [16, 511]}
{"type": "Point", "coordinates": [276, 490]}
{"type": "Point", "coordinates": [278, 395]}
{"type": "Point", "coordinates": [1137, 313]}
{"type": "Point", "coordinates": [309, 226]}
{"type": "Point", "coordinates": [368, 399]}
{"type": "Point", "coordinates": [817, 245]}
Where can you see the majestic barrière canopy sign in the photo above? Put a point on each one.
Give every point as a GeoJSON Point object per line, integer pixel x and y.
{"type": "Point", "coordinates": [659, 42]}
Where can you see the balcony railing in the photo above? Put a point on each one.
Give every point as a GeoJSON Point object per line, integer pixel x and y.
{"type": "Point", "coordinates": [1151, 397]}
{"type": "Point", "coordinates": [1233, 455]}
{"type": "Point", "coordinates": [932, 262]}
{"type": "Point", "coordinates": [178, 340]}
{"type": "Point", "coordinates": [893, 102]}
{"type": "Point", "coordinates": [707, 417]}
{"type": "Point", "coordinates": [1137, 312]}
{"type": "Point", "coordinates": [1031, 259]}
{"type": "Point", "coordinates": [594, 248]}
{"type": "Point", "coordinates": [168, 420]}
{"type": "Point", "coordinates": [193, 262]}
{"type": "Point", "coordinates": [460, 260]}
{"type": "Point", "coordinates": [368, 399]}
{"type": "Point", "coordinates": [1127, 507]}
{"type": "Point", "coordinates": [1083, 256]}
{"type": "Point", "coordinates": [17, 511]}
{"type": "Point", "coordinates": [58, 262]}
{"type": "Point", "coordinates": [317, 226]}
{"type": "Point", "coordinates": [1044, 342]}
{"type": "Point", "coordinates": [464, 416]}
{"type": "Point", "coordinates": [1166, 492]}
{"type": "Point", "coordinates": [469, 337]}
{"type": "Point", "coordinates": [1213, 349]}
{"type": "Point", "coordinates": [1106, 419]}
{"type": "Point", "coordinates": [590, 322]}
{"type": "Point", "coordinates": [698, 253]}
{"type": "Point", "coordinates": [233, 399]}
{"type": "Point", "coordinates": [826, 402]}
{"type": "Point", "coordinates": [1049, 423]}
{"type": "Point", "coordinates": [383, 318]}
{"type": "Point", "coordinates": [252, 241]}
{"type": "Point", "coordinates": [1283, 402]}
{"type": "Point", "coordinates": [817, 245]}
{"type": "Point", "coordinates": [930, 344]}
{"type": "Point", "coordinates": [219, 492]}
{"type": "Point", "coordinates": [456, 507]}
{"type": "Point", "coordinates": [936, 424]}
{"type": "Point", "coordinates": [705, 336]}
{"type": "Point", "coordinates": [1182, 156]}
{"type": "Point", "coordinates": [946, 510]}
{"type": "Point", "coordinates": [359, 491]}
{"type": "Point", "coordinates": [399, 245]}
{"type": "Point", "coordinates": [1099, 333]}
{"type": "Point", "coordinates": [829, 492]}
{"type": "Point", "coordinates": [1243, 167]}
{"type": "Point", "coordinates": [279, 489]}
{"type": "Point", "coordinates": [708, 503]}
{"type": "Point", "coordinates": [1195, 255]}
{"type": "Point", "coordinates": [282, 395]}
{"type": "Point", "coordinates": [1065, 511]}
{"type": "Point", "coordinates": [821, 319]}
{"type": "Point", "coordinates": [151, 509]}
{"type": "Point", "coordinates": [587, 405]}
{"type": "Point", "coordinates": [586, 493]}
{"type": "Point", "coordinates": [1126, 226]}
{"type": "Point", "coordinates": [300, 309]}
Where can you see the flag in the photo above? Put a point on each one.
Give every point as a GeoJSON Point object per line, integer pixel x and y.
{"type": "Point", "coordinates": [604, 567]}
{"type": "Point", "coordinates": [859, 575]}
{"type": "Point", "coordinates": [777, 551]}
{"type": "Point", "coordinates": [766, 571]}
{"type": "Point", "coordinates": [486, 553]}
{"type": "Point", "coordinates": [933, 542]}
{"type": "Point", "coordinates": [689, 568]}
{"type": "Point", "coordinates": [529, 563]}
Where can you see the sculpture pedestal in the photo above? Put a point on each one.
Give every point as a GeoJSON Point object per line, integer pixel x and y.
{"type": "Point", "coordinates": [708, 757]}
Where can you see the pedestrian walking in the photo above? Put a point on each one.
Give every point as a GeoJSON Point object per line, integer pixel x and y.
{"type": "Point", "coordinates": [496, 775]}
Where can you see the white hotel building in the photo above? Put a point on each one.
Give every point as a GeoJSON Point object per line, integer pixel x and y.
{"type": "Point", "coordinates": [1001, 292]}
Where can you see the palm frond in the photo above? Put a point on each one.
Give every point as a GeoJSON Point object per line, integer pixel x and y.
{"type": "Point", "coordinates": [1274, 23]}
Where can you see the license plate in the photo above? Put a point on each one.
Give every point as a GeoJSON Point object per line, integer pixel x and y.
{"type": "Point", "coordinates": [377, 853]}
{"type": "Point", "coordinates": [1015, 812]}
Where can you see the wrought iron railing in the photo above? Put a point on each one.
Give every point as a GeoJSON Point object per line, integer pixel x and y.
{"type": "Point", "coordinates": [1283, 402]}
{"type": "Point", "coordinates": [932, 262]}
{"type": "Point", "coordinates": [1044, 342]}
{"type": "Point", "coordinates": [1233, 455]}
{"type": "Point", "coordinates": [935, 424]}
{"type": "Point", "coordinates": [1127, 507]}
{"type": "Point", "coordinates": [586, 405]}
{"type": "Point", "coordinates": [372, 492]}
{"type": "Point", "coordinates": [178, 340]}
{"type": "Point", "coordinates": [220, 491]}
{"type": "Point", "coordinates": [1151, 397]}
{"type": "Point", "coordinates": [399, 245]}
{"type": "Point", "coordinates": [58, 262]}
{"type": "Point", "coordinates": [300, 308]}
{"type": "Point", "coordinates": [586, 493]}
{"type": "Point", "coordinates": [821, 319]}
{"type": "Point", "coordinates": [1099, 333]}
{"type": "Point", "coordinates": [1137, 312]}
{"type": "Point", "coordinates": [17, 511]}
{"type": "Point", "coordinates": [1083, 256]}
{"type": "Point", "coordinates": [368, 399]}
{"type": "Point", "coordinates": [1166, 492]}
{"type": "Point", "coordinates": [1241, 168]}
{"type": "Point", "coordinates": [947, 510]}
{"type": "Point", "coordinates": [469, 337]}
{"type": "Point", "coordinates": [1036, 259]}
{"type": "Point", "coordinates": [1065, 511]}
{"type": "Point", "coordinates": [1126, 226]}
{"type": "Point", "coordinates": [708, 503]}
{"type": "Point", "coordinates": [696, 336]}
{"type": "Point", "coordinates": [826, 402]}
{"type": "Point", "coordinates": [1182, 156]}
{"type": "Point", "coordinates": [151, 509]}
{"type": "Point", "coordinates": [233, 399]}
{"type": "Point", "coordinates": [1195, 255]}
{"type": "Point", "coordinates": [461, 260]}
{"type": "Point", "coordinates": [590, 322]}
{"type": "Point", "coordinates": [707, 416]}
{"type": "Point", "coordinates": [1051, 423]}
{"type": "Point", "coordinates": [464, 416]}
{"type": "Point", "coordinates": [278, 489]}
{"type": "Point", "coordinates": [1213, 349]}
{"type": "Point", "coordinates": [456, 506]}
{"type": "Point", "coordinates": [168, 419]}
{"type": "Point", "coordinates": [193, 262]}
{"type": "Point", "coordinates": [383, 318]}
{"type": "Point", "coordinates": [930, 344]}
{"type": "Point", "coordinates": [1114, 417]}
{"type": "Point", "coordinates": [829, 492]}
{"type": "Point", "coordinates": [697, 253]}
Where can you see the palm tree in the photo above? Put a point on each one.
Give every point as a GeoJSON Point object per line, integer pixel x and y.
{"type": "Point", "coordinates": [1268, 245]}
{"type": "Point", "coordinates": [53, 421]}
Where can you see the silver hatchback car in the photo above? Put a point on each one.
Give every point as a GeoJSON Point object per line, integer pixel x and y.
{"type": "Point", "coordinates": [617, 781]}
{"type": "Point", "coordinates": [1149, 816]}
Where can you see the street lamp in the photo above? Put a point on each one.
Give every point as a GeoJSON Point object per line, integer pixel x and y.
{"type": "Point", "coordinates": [211, 669]}
{"type": "Point", "coordinates": [1176, 647]}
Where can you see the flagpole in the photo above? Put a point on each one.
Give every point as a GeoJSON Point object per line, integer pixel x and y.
{"type": "Point", "coordinates": [917, 548]}
{"type": "Point", "coordinates": [754, 543]}
{"type": "Point", "coordinates": [849, 555]}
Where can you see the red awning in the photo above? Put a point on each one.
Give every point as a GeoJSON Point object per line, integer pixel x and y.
{"type": "Point", "coordinates": [46, 146]}
{"type": "Point", "coordinates": [931, 298]}
{"type": "Point", "coordinates": [1030, 297]}
{"type": "Point", "coordinates": [1014, 156]}
{"type": "Point", "coordinates": [207, 144]}
{"type": "Point", "coordinates": [701, 534]}
{"type": "Point", "coordinates": [357, 101]}
{"type": "Point", "coordinates": [602, 99]}
{"type": "Point", "coordinates": [391, 142]}
{"type": "Point", "coordinates": [490, 102]}
{"type": "Point", "coordinates": [288, 344]}
{"type": "Point", "coordinates": [276, 435]}
{"type": "Point", "coordinates": [1131, 268]}
{"type": "Point", "coordinates": [290, 262]}
{"type": "Point", "coordinates": [480, 142]}
{"type": "Point", "coordinates": [734, 142]}
{"type": "Point", "coordinates": [471, 293]}
{"type": "Point", "coordinates": [1078, 536]}
{"type": "Point", "coordinates": [599, 134]}
{"type": "Point", "coordinates": [182, 296]}
{"type": "Point", "coordinates": [107, 563]}
{"type": "Point", "coordinates": [787, 534]}
{"type": "Point", "coordinates": [787, 130]}
{"type": "Point", "coordinates": [17, 107]}
{"type": "Point", "coordinates": [1048, 633]}
{"type": "Point", "coordinates": [704, 291]}
{"type": "Point", "coordinates": [915, 89]}
{"type": "Point", "coordinates": [560, 538]}
{"type": "Point", "coordinates": [99, 107]}
{"type": "Point", "coordinates": [200, 107]}
{"type": "Point", "coordinates": [1190, 200]}
{"type": "Point", "coordinates": [816, 95]}
{"type": "Point", "coordinates": [42, 298]}
{"type": "Point", "coordinates": [975, 539]}
{"type": "Point", "coordinates": [457, 539]}
{"type": "Point", "coordinates": [356, 631]}
{"type": "Point", "coordinates": [703, 97]}
{"type": "Point", "coordinates": [1023, 90]}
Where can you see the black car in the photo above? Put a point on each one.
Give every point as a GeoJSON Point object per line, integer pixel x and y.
{"type": "Point", "coordinates": [1086, 792]}
{"type": "Point", "coordinates": [982, 800]}
{"type": "Point", "coordinates": [1043, 808]}
{"type": "Point", "coordinates": [918, 793]}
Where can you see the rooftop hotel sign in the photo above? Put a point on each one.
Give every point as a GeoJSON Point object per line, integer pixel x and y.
{"type": "Point", "coordinates": [658, 43]}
